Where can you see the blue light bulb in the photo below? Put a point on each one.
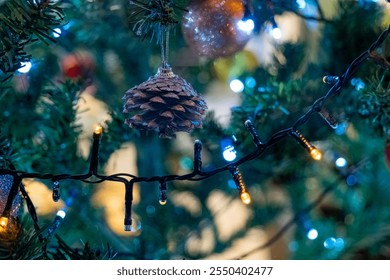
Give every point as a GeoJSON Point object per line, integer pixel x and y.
{"type": "Point", "coordinates": [57, 32]}
{"type": "Point", "coordinates": [26, 66]}
{"type": "Point", "coordinates": [341, 162]}
{"type": "Point", "coordinates": [330, 243]}
{"type": "Point", "coordinates": [61, 213]}
{"type": "Point", "coordinates": [312, 234]}
{"type": "Point", "coordinates": [236, 86]}
{"type": "Point", "coordinates": [229, 153]}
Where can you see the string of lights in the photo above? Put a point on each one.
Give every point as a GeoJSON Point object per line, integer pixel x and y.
{"type": "Point", "coordinates": [128, 180]}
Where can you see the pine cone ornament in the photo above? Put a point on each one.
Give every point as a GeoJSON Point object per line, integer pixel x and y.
{"type": "Point", "coordinates": [165, 103]}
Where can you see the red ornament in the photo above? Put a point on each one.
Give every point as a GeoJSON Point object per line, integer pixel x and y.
{"type": "Point", "coordinates": [77, 65]}
{"type": "Point", "coordinates": [387, 151]}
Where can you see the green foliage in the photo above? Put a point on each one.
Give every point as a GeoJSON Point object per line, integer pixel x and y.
{"type": "Point", "coordinates": [50, 115]}
{"type": "Point", "coordinates": [21, 23]}
{"type": "Point", "coordinates": [374, 102]}
{"type": "Point", "coordinates": [364, 33]}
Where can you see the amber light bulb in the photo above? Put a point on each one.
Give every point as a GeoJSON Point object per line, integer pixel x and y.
{"type": "Point", "coordinates": [98, 129]}
{"type": "Point", "coordinates": [97, 134]}
{"type": "Point", "coordinates": [315, 154]}
{"type": "Point", "coordinates": [245, 198]}
{"type": "Point", "coordinates": [3, 223]}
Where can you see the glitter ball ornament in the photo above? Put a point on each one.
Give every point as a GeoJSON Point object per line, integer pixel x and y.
{"type": "Point", "coordinates": [6, 182]}
{"type": "Point", "coordinates": [165, 103]}
{"type": "Point", "coordinates": [211, 27]}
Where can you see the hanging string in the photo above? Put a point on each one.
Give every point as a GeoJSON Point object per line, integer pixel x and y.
{"type": "Point", "coordinates": [164, 45]}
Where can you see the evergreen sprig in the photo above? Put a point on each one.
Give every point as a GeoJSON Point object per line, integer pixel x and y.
{"type": "Point", "coordinates": [26, 243]}
{"type": "Point", "coordinates": [23, 22]}
{"type": "Point", "coordinates": [64, 252]}
{"type": "Point", "coordinates": [148, 17]}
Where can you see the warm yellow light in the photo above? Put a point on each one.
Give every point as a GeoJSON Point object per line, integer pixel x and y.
{"type": "Point", "coordinates": [245, 198]}
{"type": "Point", "coordinates": [3, 223]}
{"type": "Point", "coordinates": [316, 154]}
{"type": "Point", "coordinates": [97, 134]}
{"type": "Point", "coordinates": [163, 202]}
{"type": "Point", "coordinates": [98, 129]}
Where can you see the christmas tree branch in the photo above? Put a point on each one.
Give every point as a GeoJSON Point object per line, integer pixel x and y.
{"type": "Point", "coordinates": [23, 22]}
{"type": "Point", "coordinates": [151, 16]}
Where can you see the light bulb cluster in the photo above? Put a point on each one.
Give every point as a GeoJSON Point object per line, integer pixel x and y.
{"type": "Point", "coordinates": [333, 243]}
{"type": "Point", "coordinates": [313, 151]}
{"type": "Point", "coordinates": [237, 177]}
{"type": "Point", "coordinates": [197, 175]}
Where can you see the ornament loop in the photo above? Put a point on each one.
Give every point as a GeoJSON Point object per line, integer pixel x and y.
{"type": "Point", "coordinates": [165, 71]}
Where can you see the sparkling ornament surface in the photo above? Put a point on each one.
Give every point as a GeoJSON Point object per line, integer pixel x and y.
{"type": "Point", "coordinates": [165, 103]}
{"type": "Point", "coordinates": [6, 182]}
{"type": "Point", "coordinates": [210, 27]}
